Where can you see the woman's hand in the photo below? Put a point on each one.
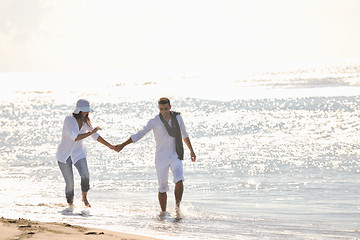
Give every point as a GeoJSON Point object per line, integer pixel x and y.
{"type": "Point", "coordinates": [95, 130]}
{"type": "Point", "coordinates": [113, 147]}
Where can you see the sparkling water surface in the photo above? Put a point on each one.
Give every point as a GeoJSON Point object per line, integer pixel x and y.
{"type": "Point", "coordinates": [279, 167]}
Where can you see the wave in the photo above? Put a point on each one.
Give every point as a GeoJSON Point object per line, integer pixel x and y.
{"type": "Point", "coordinates": [321, 76]}
{"type": "Point", "coordinates": [324, 80]}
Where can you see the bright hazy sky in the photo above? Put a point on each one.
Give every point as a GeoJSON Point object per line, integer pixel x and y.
{"type": "Point", "coordinates": [67, 35]}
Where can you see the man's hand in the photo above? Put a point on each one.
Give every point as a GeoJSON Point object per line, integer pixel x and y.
{"type": "Point", "coordinates": [188, 144]}
{"type": "Point", "coordinates": [193, 156]}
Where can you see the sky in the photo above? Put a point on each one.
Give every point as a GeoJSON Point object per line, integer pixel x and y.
{"type": "Point", "coordinates": [86, 35]}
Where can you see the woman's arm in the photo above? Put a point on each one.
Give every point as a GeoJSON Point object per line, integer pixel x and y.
{"type": "Point", "coordinates": [103, 141]}
{"type": "Point", "coordinates": [85, 135]}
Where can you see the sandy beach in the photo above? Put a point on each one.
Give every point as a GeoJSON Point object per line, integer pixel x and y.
{"type": "Point", "coordinates": [26, 229]}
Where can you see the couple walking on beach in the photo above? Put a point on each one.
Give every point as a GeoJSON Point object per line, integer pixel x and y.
{"type": "Point", "coordinates": [169, 131]}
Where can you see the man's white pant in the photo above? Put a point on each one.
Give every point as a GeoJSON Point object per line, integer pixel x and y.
{"type": "Point", "coordinates": [162, 169]}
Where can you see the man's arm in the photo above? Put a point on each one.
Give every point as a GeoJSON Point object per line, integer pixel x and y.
{"type": "Point", "coordinates": [185, 136]}
{"type": "Point", "coordinates": [188, 144]}
{"type": "Point", "coordinates": [137, 136]}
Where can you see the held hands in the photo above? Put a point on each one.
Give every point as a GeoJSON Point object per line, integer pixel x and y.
{"type": "Point", "coordinates": [116, 148]}
{"type": "Point", "coordinates": [119, 147]}
{"type": "Point", "coordinates": [112, 147]}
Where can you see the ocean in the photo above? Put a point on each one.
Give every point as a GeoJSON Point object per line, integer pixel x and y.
{"type": "Point", "coordinates": [277, 151]}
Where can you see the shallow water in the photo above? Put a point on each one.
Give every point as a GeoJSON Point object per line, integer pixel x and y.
{"type": "Point", "coordinates": [271, 168]}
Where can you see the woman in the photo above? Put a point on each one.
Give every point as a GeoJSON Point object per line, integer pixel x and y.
{"type": "Point", "coordinates": [71, 150]}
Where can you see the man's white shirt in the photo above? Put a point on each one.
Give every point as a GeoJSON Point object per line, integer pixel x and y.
{"type": "Point", "coordinates": [165, 144]}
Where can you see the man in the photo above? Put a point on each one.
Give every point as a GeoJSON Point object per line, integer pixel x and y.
{"type": "Point", "coordinates": [169, 130]}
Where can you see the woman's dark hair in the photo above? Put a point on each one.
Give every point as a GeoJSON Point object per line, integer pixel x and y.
{"type": "Point", "coordinates": [86, 119]}
{"type": "Point", "coordinates": [164, 100]}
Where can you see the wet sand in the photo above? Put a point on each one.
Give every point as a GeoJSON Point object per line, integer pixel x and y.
{"type": "Point", "coordinates": [27, 229]}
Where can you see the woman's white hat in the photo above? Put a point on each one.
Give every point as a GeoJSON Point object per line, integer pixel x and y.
{"type": "Point", "coordinates": [82, 105]}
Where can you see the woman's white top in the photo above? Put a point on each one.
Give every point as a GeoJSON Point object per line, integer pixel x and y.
{"type": "Point", "coordinates": [68, 147]}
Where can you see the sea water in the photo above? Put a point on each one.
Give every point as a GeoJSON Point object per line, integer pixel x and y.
{"type": "Point", "coordinates": [277, 152]}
